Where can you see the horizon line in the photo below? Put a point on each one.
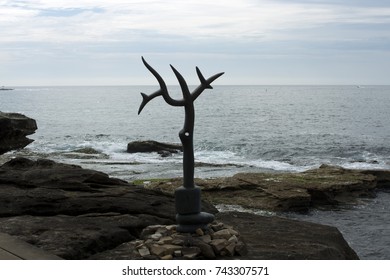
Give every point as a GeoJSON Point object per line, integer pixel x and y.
{"type": "Point", "coordinates": [191, 85]}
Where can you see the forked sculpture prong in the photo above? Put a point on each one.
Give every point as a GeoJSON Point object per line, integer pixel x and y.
{"type": "Point", "coordinates": [187, 198]}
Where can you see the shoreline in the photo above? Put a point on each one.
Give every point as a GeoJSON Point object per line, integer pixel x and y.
{"type": "Point", "coordinates": [49, 197]}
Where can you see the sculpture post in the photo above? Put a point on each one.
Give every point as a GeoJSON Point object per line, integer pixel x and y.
{"type": "Point", "coordinates": [187, 197]}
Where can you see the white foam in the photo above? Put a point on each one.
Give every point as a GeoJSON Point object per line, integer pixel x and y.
{"type": "Point", "coordinates": [238, 208]}
{"type": "Point", "coordinates": [366, 165]}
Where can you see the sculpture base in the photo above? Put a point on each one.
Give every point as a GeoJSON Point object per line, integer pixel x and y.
{"type": "Point", "coordinates": [191, 222]}
{"type": "Point", "coordinates": [188, 208]}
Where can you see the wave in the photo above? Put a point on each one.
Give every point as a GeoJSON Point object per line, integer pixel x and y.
{"type": "Point", "coordinates": [108, 154]}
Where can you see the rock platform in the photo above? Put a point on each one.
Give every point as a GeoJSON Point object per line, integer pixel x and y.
{"type": "Point", "coordinates": [324, 187]}
{"type": "Point", "coordinates": [76, 213]}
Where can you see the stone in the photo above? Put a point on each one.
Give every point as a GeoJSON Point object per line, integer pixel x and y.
{"type": "Point", "coordinates": [167, 257]}
{"type": "Point", "coordinates": [190, 252]}
{"type": "Point", "coordinates": [233, 232]}
{"type": "Point", "coordinates": [177, 253]}
{"type": "Point", "coordinates": [229, 250]}
{"type": "Point", "coordinates": [162, 250]}
{"type": "Point", "coordinates": [14, 129]}
{"type": "Point", "coordinates": [222, 234]}
{"type": "Point", "coordinates": [170, 248]}
{"type": "Point", "coordinates": [138, 244]}
{"type": "Point", "coordinates": [144, 251]}
{"type": "Point", "coordinates": [179, 242]}
{"type": "Point", "coordinates": [218, 245]}
{"type": "Point", "coordinates": [150, 146]}
{"type": "Point", "coordinates": [217, 226]}
{"type": "Point", "coordinates": [166, 239]}
{"type": "Point", "coordinates": [157, 250]}
{"type": "Point", "coordinates": [241, 249]}
{"type": "Point", "coordinates": [156, 236]}
{"type": "Point", "coordinates": [162, 230]}
{"type": "Point", "coordinates": [199, 232]}
{"type": "Point", "coordinates": [233, 239]}
{"type": "Point", "coordinates": [171, 227]}
{"type": "Point", "coordinates": [146, 232]}
{"type": "Point", "coordinates": [205, 238]}
{"type": "Point", "coordinates": [206, 250]}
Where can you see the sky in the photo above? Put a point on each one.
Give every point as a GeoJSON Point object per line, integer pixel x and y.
{"type": "Point", "coordinates": [256, 42]}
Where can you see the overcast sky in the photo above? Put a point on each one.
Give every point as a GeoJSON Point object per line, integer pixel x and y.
{"type": "Point", "coordinates": [93, 42]}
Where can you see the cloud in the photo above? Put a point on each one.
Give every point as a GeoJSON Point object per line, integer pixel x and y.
{"type": "Point", "coordinates": [91, 34]}
{"type": "Point", "coordinates": [84, 20]}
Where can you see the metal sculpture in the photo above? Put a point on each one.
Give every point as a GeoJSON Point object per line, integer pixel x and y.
{"type": "Point", "coordinates": [187, 197]}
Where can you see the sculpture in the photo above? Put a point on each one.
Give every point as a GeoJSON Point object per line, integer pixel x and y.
{"type": "Point", "coordinates": [187, 197]}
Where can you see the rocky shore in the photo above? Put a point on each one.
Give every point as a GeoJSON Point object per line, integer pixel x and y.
{"type": "Point", "coordinates": [78, 213]}
{"type": "Point", "coordinates": [325, 187]}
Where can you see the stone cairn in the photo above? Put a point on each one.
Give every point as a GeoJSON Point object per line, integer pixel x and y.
{"type": "Point", "coordinates": [165, 243]}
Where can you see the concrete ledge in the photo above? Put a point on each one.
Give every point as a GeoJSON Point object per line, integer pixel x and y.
{"type": "Point", "coordinates": [12, 248]}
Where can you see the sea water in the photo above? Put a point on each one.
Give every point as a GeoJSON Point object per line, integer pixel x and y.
{"type": "Point", "coordinates": [237, 129]}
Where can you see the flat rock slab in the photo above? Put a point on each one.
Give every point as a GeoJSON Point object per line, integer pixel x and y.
{"type": "Point", "coordinates": [77, 237]}
{"type": "Point", "coordinates": [265, 238]}
{"type": "Point", "coordinates": [327, 186]}
{"type": "Point", "coordinates": [73, 212]}
{"type": "Point", "coordinates": [274, 238]}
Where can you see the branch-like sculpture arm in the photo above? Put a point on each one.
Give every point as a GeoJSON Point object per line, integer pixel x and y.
{"type": "Point", "coordinates": [183, 85]}
{"type": "Point", "coordinates": [162, 91]}
{"type": "Point", "coordinates": [204, 84]}
{"type": "Point", "coordinates": [187, 197]}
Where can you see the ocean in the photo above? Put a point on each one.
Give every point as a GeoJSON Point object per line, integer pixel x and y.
{"type": "Point", "coordinates": [237, 129]}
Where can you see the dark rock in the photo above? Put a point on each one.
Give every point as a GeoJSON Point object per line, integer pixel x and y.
{"type": "Point", "coordinates": [44, 188]}
{"type": "Point", "coordinates": [382, 177]}
{"type": "Point", "coordinates": [77, 213]}
{"type": "Point", "coordinates": [74, 237]}
{"type": "Point", "coordinates": [274, 238]}
{"type": "Point", "coordinates": [261, 238]}
{"type": "Point", "coordinates": [13, 131]}
{"type": "Point", "coordinates": [327, 186]}
{"type": "Point", "coordinates": [163, 149]}
{"type": "Point", "coordinates": [87, 150]}
{"type": "Point", "coordinates": [125, 251]}
{"type": "Point", "coordinates": [74, 212]}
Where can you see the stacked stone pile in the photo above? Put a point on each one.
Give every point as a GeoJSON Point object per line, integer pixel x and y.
{"type": "Point", "coordinates": [164, 242]}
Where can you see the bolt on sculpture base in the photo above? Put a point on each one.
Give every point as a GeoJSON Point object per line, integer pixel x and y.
{"type": "Point", "coordinates": [187, 198]}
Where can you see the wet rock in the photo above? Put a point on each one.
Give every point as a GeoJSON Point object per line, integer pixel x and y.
{"type": "Point", "coordinates": [14, 129]}
{"type": "Point", "coordinates": [164, 149]}
{"type": "Point", "coordinates": [327, 186]}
